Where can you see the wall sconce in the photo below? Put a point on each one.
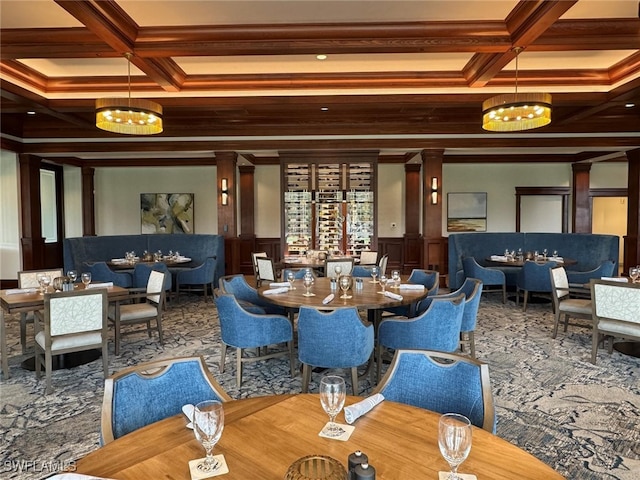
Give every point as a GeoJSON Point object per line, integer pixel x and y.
{"type": "Point", "coordinates": [224, 191]}
{"type": "Point", "coordinates": [434, 190]}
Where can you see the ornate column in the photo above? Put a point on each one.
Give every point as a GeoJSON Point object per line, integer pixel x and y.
{"type": "Point", "coordinates": [434, 252]}
{"type": "Point", "coordinates": [581, 208]}
{"type": "Point", "coordinates": [31, 239]}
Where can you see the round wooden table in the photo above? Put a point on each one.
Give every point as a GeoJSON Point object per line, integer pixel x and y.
{"type": "Point", "coordinates": [263, 436]}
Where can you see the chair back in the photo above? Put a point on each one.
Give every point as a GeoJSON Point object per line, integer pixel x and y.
{"type": "Point", "coordinates": [559, 284]}
{"type": "Point", "coordinates": [142, 271]}
{"type": "Point", "coordinates": [428, 278]}
{"type": "Point", "coordinates": [156, 284]}
{"type": "Point", "coordinates": [472, 289]}
{"type": "Point", "coordinates": [383, 264]}
{"type": "Point", "coordinates": [254, 257]}
{"type": "Point", "coordinates": [618, 301]}
{"type": "Point", "coordinates": [535, 276]}
{"type": "Point", "coordinates": [335, 339]}
{"type": "Point", "coordinates": [441, 382]}
{"type": "Point", "coordinates": [29, 278]}
{"type": "Point", "coordinates": [368, 257]}
{"type": "Point", "coordinates": [149, 392]}
{"type": "Point", "coordinates": [330, 264]}
{"type": "Point", "coordinates": [266, 270]}
{"type": "Point", "coordinates": [78, 311]}
{"type": "Point", "coordinates": [437, 328]}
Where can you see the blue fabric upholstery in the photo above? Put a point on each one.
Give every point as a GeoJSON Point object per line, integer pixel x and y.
{"type": "Point", "coordinates": [589, 250]}
{"type": "Point", "coordinates": [454, 384]}
{"type": "Point", "coordinates": [247, 295]}
{"type": "Point", "coordinates": [361, 271]}
{"type": "Point", "coordinates": [428, 278]}
{"type": "Point", "coordinates": [142, 271]}
{"type": "Point", "coordinates": [100, 272]}
{"type": "Point", "coordinates": [202, 276]}
{"type": "Point", "coordinates": [534, 277]}
{"type": "Point", "coordinates": [242, 329]}
{"type": "Point", "coordinates": [92, 249]}
{"type": "Point", "coordinates": [605, 269]}
{"type": "Point", "coordinates": [136, 399]}
{"type": "Point", "coordinates": [490, 277]}
{"type": "Point", "coordinates": [335, 339]}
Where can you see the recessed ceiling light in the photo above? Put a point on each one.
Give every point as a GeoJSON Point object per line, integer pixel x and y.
{"type": "Point", "coordinates": [321, 57]}
{"type": "Point", "coordinates": [630, 105]}
{"type": "Point", "coordinates": [31, 112]}
{"type": "Point", "coordinates": [324, 109]}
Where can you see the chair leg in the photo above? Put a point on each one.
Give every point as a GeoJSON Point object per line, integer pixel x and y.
{"type": "Point", "coordinates": [354, 380]}
{"type": "Point", "coordinates": [556, 321]}
{"type": "Point", "coordinates": [105, 358]}
{"type": "Point", "coordinates": [472, 343]}
{"type": "Point", "coordinates": [504, 293]}
{"type": "Point", "coordinates": [594, 345]}
{"type": "Point", "coordinates": [566, 322]}
{"type": "Point", "coordinates": [48, 366]}
{"type": "Point", "coordinates": [306, 377]}
{"type": "Point", "coordinates": [223, 354]}
{"type": "Point", "coordinates": [610, 345]}
{"type": "Point", "coordinates": [23, 331]}
{"type": "Point", "coordinates": [378, 362]}
{"type": "Point", "coordinates": [37, 359]}
{"type": "Point", "coordinates": [238, 367]}
{"type": "Point", "coordinates": [292, 359]}
{"type": "Point", "coordinates": [524, 303]}
{"type": "Point", "coordinates": [117, 336]}
{"type": "Point", "coordinates": [159, 325]}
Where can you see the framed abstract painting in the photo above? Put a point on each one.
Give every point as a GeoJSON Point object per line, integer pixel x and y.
{"type": "Point", "coordinates": [166, 213]}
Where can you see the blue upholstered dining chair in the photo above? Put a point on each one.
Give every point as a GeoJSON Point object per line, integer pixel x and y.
{"type": "Point", "coordinates": [242, 329]}
{"type": "Point", "coordinates": [247, 296]}
{"type": "Point", "coordinates": [335, 339]}
{"type": "Point", "coordinates": [443, 383]}
{"type": "Point", "coordinates": [533, 277]}
{"type": "Point", "coordinates": [605, 269]}
{"type": "Point", "coordinates": [199, 278]}
{"type": "Point", "coordinates": [472, 290]}
{"type": "Point", "coordinates": [149, 392]}
{"type": "Point", "coordinates": [492, 278]}
{"type": "Point", "coordinates": [100, 272]}
{"type": "Point", "coordinates": [429, 278]}
{"type": "Point", "coordinates": [437, 328]}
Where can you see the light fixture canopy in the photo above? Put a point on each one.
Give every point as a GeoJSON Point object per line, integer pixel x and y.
{"type": "Point", "coordinates": [513, 112]}
{"type": "Point", "coordinates": [224, 191]}
{"type": "Point", "coordinates": [129, 116]}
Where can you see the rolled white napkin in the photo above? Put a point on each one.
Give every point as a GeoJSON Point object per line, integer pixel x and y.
{"type": "Point", "coordinates": [616, 279]}
{"type": "Point", "coordinates": [498, 258]}
{"type": "Point", "coordinates": [395, 296]}
{"type": "Point", "coordinates": [188, 412]}
{"type": "Point", "coordinates": [328, 298]}
{"type": "Point", "coordinates": [100, 285]}
{"type": "Point", "coordinates": [555, 259]}
{"type": "Point", "coordinates": [279, 284]}
{"type": "Point", "coordinates": [118, 260]}
{"type": "Point", "coordinates": [355, 411]}
{"type": "Point", "coordinates": [274, 291]}
{"type": "Point", "coordinates": [13, 291]}
{"type": "Point", "coordinates": [411, 286]}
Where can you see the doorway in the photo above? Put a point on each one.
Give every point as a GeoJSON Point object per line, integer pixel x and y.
{"type": "Point", "coordinates": [609, 217]}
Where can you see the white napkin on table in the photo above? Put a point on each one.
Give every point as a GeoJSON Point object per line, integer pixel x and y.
{"type": "Point", "coordinates": [274, 291]}
{"type": "Point", "coordinates": [100, 285]}
{"type": "Point", "coordinates": [328, 299]}
{"type": "Point", "coordinates": [355, 411]}
{"type": "Point", "coordinates": [411, 286]}
{"type": "Point", "coordinates": [616, 279]}
{"type": "Point", "coordinates": [555, 259]}
{"type": "Point", "coordinates": [20, 290]}
{"type": "Point", "coordinates": [498, 258]}
{"type": "Point", "coordinates": [279, 284]}
{"type": "Point", "coordinates": [395, 296]}
{"type": "Point", "coordinates": [188, 412]}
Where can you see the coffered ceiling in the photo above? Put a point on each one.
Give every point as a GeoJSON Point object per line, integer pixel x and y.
{"type": "Point", "coordinates": [400, 76]}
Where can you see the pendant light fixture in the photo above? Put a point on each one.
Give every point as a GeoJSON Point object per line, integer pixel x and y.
{"type": "Point", "coordinates": [129, 116]}
{"type": "Point", "coordinates": [515, 112]}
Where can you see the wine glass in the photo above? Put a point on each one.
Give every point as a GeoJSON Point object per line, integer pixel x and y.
{"type": "Point", "coordinates": [555, 254]}
{"type": "Point", "coordinates": [208, 422]}
{"type": "Point", "coordinates": [345, 284]}
{"type": "Point", "coordinates": [374, 273]}
{"type": "Point", "coordinates": [73, 275]}
{"type": "Point", "coordinates": [45, 281]}
{"type": "Point", "coordinates": [454, 439]}
{"type": "Point", "coordinates": [39, 280]}
{"type": "Point", "coordinates": [337, 271]}
{"type": "Point", "coordinates": [86, 278]}
{"type": "Point", "coordinates": [333, 392]}
{"type": "Point", "coordinates": [291, 278]}
{"type": "Point", "coordinates": [307, 281]}
{"type": "Point", "coordinates": [634, 272]}
{"type": "Point", "coordinates": [395, 277]}
{"type": "Point", "coordinates": [544, 253]}
{"type": "Point", "coordinates": [383, 283]}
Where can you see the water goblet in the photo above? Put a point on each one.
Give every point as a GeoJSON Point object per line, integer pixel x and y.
{"type": "Point", "coordinates": [307, 281]}
{"type": "Point", "coordinates": [333, 392]}
{"type": "Point", "coordinates": [46, 281]}
{"type": "Point", "coordinates": [208, 423]}
{"type": "Point", "coordinates": [344, 281]}
{"type": "Point", "coordinates": [544, 253]}
{"type": "Point", "coordinates": [86, 278]}
{"type": "Point", "coordinates": [395, 277]}
{"type": "Point", "coordinates": [634, 272]}
{"type": "Point", "coordinates": [73, 275]}
{"type": "Point", "coordinates": [39, 280]}
{"type": "Point", "coordinates": [337, 270]}
{"type": "Point", "coordinates": [374, 274]}
{"type": "Point", "coordinates": [555, 253]}
{"type": "Point", "coordinates": [291, 278]}
{"type": "Point", "coordinates": [454, 440]}
{"type": "Point", "coordinates": [383, 283]}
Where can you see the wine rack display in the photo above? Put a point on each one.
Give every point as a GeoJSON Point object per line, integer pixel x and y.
{"type": "Point", "coordinates": [298, 218]}
{"type": "Point", "coordinates": [360, 224]}
{"type": "Point", "coordinates": [330, 221]}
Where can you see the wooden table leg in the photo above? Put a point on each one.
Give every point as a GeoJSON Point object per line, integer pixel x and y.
{"type": "Point", "coordinates": [4, 354]}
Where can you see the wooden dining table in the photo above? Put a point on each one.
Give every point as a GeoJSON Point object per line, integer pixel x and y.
{"type": "Point", "coordinates": [263, 436]}
{"type": "Point", "coordinates": [29, 302]}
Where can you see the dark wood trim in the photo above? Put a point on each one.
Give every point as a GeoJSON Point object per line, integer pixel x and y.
{"type": "Point", "coordinates": [608, 192]}
{"type": "Point", "coordinates": [88, 202]}
{"type": "Point", "coordinates": [412, 198]}
{"type": "Point", "coordinates": [632, 239]}
{"type": "Point", "coordinates": [247, 204]}
{"type": "Point", "coordinates": [528, 191]}
{"type": "Point", "coordinates": [581, 206]}
{"type": "Point", "coordinates": [31, 238]}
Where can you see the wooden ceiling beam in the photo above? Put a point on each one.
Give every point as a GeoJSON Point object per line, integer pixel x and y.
{"type": "Point", "coordinates": [526, 22]}
{"type": "Point", "coordinates": [117, 29]}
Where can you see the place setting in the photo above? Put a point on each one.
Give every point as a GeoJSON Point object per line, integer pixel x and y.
{"type": "Point", "coordinates": [207, 422]}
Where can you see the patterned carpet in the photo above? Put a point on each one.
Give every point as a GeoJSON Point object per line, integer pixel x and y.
{"type": "Point", "coordinates": [581, 419]}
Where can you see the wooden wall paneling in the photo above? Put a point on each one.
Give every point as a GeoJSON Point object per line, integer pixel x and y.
{"type": "Point", "coordinates": [632, 239]}
{"type": "Point", "coordinates": [433, 255]}
{"type": "Point", "coordinates": [394, 247]}
{"type": "Point", "coordinates": [271, 246]}
{"type": "Point", "coordinates": [88, 202]}
{"type": "Point", "coordinates": [581, 208]}
{"type": "Point", "coordinates": [413, 247]}
{"type": "Point", "coordinates": [31, 239]}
